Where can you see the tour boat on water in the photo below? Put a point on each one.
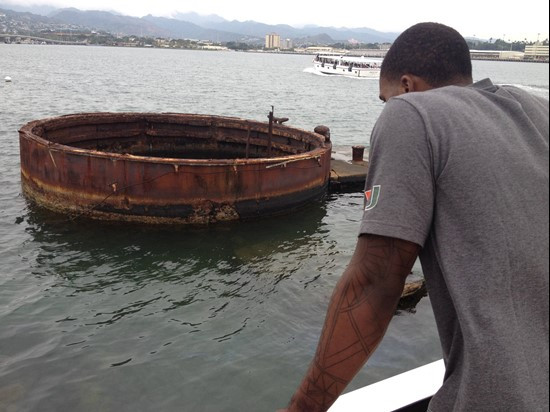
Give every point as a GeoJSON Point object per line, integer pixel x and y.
{"type": "Point", "coordinates": [352, 66]}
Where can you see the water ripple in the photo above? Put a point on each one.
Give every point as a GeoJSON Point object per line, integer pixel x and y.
{"type": "Point", "coordinates": [115, 317]}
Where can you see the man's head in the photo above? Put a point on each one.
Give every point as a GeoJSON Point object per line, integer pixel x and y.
{"type": "Point", "coordinates": [424, 57]}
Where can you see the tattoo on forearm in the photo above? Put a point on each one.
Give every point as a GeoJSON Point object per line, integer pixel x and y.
{"type": "Point", "coordinates": [357, 318]}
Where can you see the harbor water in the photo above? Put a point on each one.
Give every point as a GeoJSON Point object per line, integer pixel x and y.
{"type": "Point", "coordinates": [101, 316]}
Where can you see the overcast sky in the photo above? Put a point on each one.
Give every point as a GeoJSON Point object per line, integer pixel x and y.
{"type": "Point", "coordinates": [482, 18]}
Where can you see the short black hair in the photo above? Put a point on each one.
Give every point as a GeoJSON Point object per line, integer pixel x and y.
{"type": "Point", "coordinates": [434, 52]}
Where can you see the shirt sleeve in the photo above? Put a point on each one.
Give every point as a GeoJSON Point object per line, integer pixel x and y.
{"type": "Point", "coordinates": [399, 191]}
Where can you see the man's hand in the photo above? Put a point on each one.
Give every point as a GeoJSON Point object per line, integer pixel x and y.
{"type": "Point", "coordinates": [359, 313]}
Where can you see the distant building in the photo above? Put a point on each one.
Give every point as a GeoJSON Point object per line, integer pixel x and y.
{"type": "Point", "coordinates": [496, 55]}
{"type": "Point", "coordinates": [485, 54]}
{"type": "Point", "coordinates": [272, 41]}
{"type": "Point", "coordinates": [212, 47]}
{"type": "Point", "coordinates": [287, 44]}
{"type": "Point", "coordinates": [536, 51]}
{"type": "Point", "coordinates": [320, 49]}
{"type": "Point", "coordinates": [370, 52]}
{"type": "Point", "coordinates": [512, 55]}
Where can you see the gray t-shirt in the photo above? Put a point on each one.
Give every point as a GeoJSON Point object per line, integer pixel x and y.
{"type": "Point", "coordinates": [463, 172]}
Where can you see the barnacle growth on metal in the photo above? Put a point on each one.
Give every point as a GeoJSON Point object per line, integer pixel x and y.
{"type": "Point", "coordinates": [171, 167]}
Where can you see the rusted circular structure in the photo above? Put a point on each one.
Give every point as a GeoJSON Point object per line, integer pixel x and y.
{"type": "Point", "coordinates": [171, 167]}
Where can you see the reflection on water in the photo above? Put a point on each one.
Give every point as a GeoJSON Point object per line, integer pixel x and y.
{"type": "Point", "coordinates": [110, 316]}
{"type": "Point", "coordinates": [144, 306]}
{"type": "Point", "coordinates": [206, 267]}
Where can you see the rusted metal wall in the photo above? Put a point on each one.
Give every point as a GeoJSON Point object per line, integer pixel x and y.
{"type": "Point", "coordinates": [64, 168]}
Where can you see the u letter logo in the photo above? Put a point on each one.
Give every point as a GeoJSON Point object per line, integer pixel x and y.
{"type": "Point", "coordinates": [372, 196]}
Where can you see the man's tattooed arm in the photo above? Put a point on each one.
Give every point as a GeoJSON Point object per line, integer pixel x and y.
{"type": "Point", "coordinates": [358, 315]}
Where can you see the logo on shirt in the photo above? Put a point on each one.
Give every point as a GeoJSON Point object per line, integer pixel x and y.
{"type": "Point", "coordinates": [372, 196]}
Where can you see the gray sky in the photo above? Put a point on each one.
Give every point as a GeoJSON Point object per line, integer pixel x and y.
{"type": "Point", "coordinates": [485, 19]}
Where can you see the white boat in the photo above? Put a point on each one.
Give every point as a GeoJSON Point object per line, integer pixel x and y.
{"type": "Point", "coordinates": [351, 66]}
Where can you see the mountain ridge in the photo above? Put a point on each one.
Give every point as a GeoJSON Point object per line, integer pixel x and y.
{"type": "Point", "coordinates": [195, 26]}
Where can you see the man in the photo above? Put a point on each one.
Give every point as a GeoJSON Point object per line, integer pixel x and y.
{"type": "Point", "coordinates": [459, 176]}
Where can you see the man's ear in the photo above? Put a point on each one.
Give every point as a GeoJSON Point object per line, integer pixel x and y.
{"type": "Point", "coordinates": [411, 83]}
{"type": "Point", "coordinates": [406, 83]}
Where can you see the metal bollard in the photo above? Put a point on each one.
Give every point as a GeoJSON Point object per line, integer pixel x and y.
{"type": "Point", "coordinates": [357, 153]}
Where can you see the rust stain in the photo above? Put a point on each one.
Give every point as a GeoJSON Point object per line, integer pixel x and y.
{"type": "Point", "coordinates": [168, 167]}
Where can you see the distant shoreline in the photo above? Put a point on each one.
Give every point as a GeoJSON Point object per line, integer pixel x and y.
{"type": "Point", "coordinates": [512, 60]}
{"type": "Point", "coordinates": [66, 43]}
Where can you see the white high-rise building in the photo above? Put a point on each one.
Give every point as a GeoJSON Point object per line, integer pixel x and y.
{"type": "Point", "coordinates": [286, 44]}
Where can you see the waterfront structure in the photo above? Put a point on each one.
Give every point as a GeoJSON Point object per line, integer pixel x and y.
{"type": "Point", "coordinates": [320, 50]}
{"type": "Point", "coordinates": [536, 51]}
{"type": "Point", "coordinates": [171, 168]}
{"type": "Point", "coordinates": [381, 52]}
{"type": "Point", "coordinates": [272, 41]}
{"type": "Point", "coordinates": [496, 55]}
{"type": "Point", "coordinates": [215, 47]}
